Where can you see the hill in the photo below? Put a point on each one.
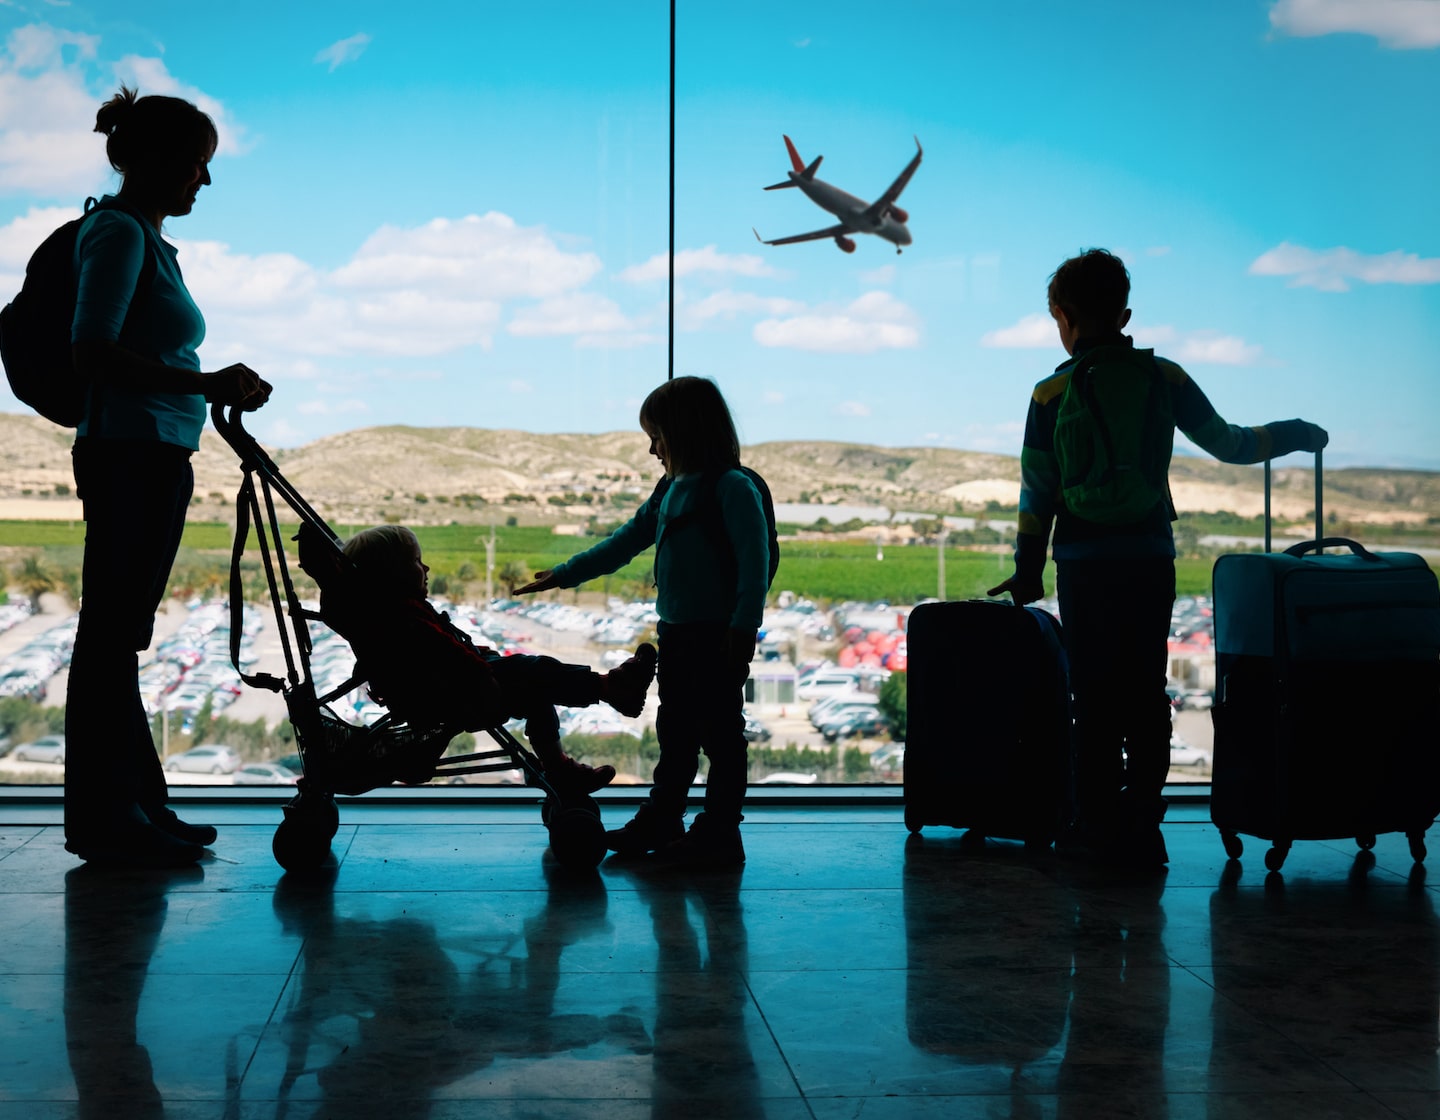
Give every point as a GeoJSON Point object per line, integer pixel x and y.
{"type": "Point", "coordinates": [473, 475]}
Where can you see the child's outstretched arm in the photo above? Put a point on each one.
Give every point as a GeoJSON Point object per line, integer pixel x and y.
{"type": "Point", "coordinates": [1039, 484]}
{"type": "Point", "coordinates": [543, 581]}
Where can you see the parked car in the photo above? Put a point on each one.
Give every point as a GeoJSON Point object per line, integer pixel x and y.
{"type": "Point", "coordinates": [24, 684]}
{"type": "Point", "coordinates": [865, 724]}
{"type": "Point", "coordinates": [1183, 754]}
{"type": "Point", "coordinates": [209, 759]}
{"type": "Point", "coordinates": [839, 707]}
{"type": "Point", "coordinates": [755, 731]}
{"type": "Point", "coordinates": [48, 748]}
{"type": "Point", "coordinates": [784, 778]}
{"type": "Point", "coordinates": [265, 774]}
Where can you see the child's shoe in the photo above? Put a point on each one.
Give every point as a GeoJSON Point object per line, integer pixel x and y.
{"type": "Point", "coordinates": [570, 778]}
{"type": "Point", "coordinates": [706, 847]}
{"type": "Point", "coordinates": [647, 831]}
{"type": "Point", "coordinates": [163, 817]}
{"type": "Point", "coordinates": [625, 686]}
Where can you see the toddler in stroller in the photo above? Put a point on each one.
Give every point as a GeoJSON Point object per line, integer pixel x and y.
{"type": "Point", "coordinates": [428, 672]}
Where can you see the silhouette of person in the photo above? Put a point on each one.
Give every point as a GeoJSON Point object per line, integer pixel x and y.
{"type": "Point", "coordinates": [134, 339]}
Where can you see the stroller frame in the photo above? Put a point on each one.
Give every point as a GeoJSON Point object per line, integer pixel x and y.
{"type": "Point", "coordinates": [311, 818]}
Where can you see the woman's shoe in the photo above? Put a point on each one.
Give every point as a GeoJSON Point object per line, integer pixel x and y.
{"type": "Point", "coordinates": [128, 839]}
{"type": "Point", "coordinates": [163, 817]}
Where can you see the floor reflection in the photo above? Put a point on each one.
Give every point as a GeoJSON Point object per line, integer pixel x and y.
{"type": "Point", "coordinates": [384, 1017]}
{"type": "Point", "coordinates": [1348, 968]}
{"type": "Point", "coordinates": [1013, 968]}
{"type": "Point", "coordinates": [702, 1048]}
{"type": "Point", "coordinates": [113, 920]}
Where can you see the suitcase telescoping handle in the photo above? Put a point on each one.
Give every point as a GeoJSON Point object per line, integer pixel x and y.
{"type": "Point", "coordinates": [1320, 538]}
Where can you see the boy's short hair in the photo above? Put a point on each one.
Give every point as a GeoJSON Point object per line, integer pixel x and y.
{"type": "Point", "coordinates": [382, 551]}
{"type": "Point", "coordinates": [1092, 289]}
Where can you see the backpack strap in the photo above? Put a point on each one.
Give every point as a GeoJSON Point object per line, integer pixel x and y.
{"type": "Point", "coordinates": [143, 283]}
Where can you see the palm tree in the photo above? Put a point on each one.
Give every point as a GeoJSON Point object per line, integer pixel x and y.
{"type": "Point", "coordinates": [512, 574]}
{"type": "Point", "coordinates": [35, 577]}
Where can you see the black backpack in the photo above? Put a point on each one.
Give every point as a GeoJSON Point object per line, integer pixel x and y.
{"type": "Point", "coordinates": [712, 519]}
{"type": "Point", "coordinates": [35, 325]}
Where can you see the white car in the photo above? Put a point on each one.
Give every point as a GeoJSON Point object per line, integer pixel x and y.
{"type": "Point", "coordinates": [1183, 754]}
{"type": "Point", "coordinates": [209, 759]}
{"type": "Point", "coordinates": [49, 748]}
{"type": "Point", "coordinates": [264, 774]}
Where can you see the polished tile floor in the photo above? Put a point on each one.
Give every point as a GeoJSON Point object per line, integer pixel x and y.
{"type": "Point", "coordinates": [445, 968]}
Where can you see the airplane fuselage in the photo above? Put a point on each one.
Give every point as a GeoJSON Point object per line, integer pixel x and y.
{"type": "Point", "coordinates": [851, 211]}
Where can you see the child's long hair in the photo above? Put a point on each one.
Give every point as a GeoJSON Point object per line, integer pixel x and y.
{"type": "Point", "coordinates": [691, 415]}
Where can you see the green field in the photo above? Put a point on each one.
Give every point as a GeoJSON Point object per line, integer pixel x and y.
{"type": "Point", "coordinates": [818, 569]}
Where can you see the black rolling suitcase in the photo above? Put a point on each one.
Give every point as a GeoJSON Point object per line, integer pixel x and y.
{"type": "Point", "coordinates": [987, 745]}
{"type": "Point", "coordinates": [1327, 713]}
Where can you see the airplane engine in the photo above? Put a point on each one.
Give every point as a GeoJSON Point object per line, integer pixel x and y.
{"type": "Point", "coordinates": [899, 215]}
{"type": "Point", "coordinates": [845, 243]}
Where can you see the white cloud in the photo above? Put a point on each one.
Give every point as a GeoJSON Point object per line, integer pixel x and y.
{"type": "Point", "coordinates": [519, 386]}
{"type": "Point", "coordinates": [875, 321]}
{"type": "Point", "coordinates": [1209, 348]}
{"type": "Point", "coordinates": [1332, 270]}
{"type": "Point", "coordinates": [885, 274]}
{"type": "Point", "coordinates": [1004, 437]}
{"type": "Point", "coordinates": [1400, 24]}
{"type": "Point", "coordinates": [477, 257]}
{"type": "Point", "coordinates": [689, 262]}
{"type": "Point", "coordinates": [344, 50]}
{"type": "Point", "coordinates": [51, 84]}
{"type": "Point", "coordinates": [852, 408]}
{"type": "Point", "coordinates": [728, 304]}
{"type": "Point", "coordinates": [1034, 332]}
{"type": "Point", "coordinates": [578, 313]}
{"type": "Point", "coordinates": [773, 396]}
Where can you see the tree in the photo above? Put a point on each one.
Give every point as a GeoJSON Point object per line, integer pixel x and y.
{"type": "Point", "coordinates": [35, 577]}
{"type": "Point", "coordinates": [512, 574]}
{"type": "Point", "coordinates": [892, 703]}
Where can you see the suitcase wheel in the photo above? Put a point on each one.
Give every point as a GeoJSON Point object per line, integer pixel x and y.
{"type": "Point", "coordinates": [973, 840]}
{"type": "Point", "coordinates": [1275, 857]}
{"type": "Point", "coordinates": [1417, 846]}
{"type": "Point", "coordinates": [1365, 843]}
{"type": "Point", "coordinates": [1234, 846]}
{"type": "Point", "coordinates": [913, 821]}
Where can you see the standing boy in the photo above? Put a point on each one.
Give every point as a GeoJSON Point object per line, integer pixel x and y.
{"type": "Point", "coordinates": [1095, 463]}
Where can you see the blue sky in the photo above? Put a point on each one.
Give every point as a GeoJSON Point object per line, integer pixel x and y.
{"type": "Point", "coordinates": [447, 213]}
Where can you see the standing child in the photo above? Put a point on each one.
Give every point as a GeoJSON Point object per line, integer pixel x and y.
{"type": "Point", "coordinates": [1095, 462]}
{"type": "Point", "coordinates": [707, 522]}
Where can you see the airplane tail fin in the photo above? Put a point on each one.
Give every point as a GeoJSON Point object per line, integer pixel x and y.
{"type": "Point", "coordinates": [781, 186]}
{"type": "Point", "coordinates": [795, 160]}
{"type": "Point", "coordinates": [809, 172]}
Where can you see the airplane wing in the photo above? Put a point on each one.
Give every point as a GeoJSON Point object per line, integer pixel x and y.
{"type": "Point", "coordinates": [886, 200]}
{"type": "Point", "coordinates": [817, 235]}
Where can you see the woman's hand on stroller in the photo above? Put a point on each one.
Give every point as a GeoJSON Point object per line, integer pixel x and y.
{"type": "Point", "coordinates": [236, 385]}
{"type": "Point", "coordinates": [543, 581]}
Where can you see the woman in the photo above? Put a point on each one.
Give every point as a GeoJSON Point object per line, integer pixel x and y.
{"type": "Point", "coordinates": [134, 338]}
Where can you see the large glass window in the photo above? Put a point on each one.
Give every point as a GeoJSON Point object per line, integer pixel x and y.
{"type": "Point", "coordinates": [445, 240]}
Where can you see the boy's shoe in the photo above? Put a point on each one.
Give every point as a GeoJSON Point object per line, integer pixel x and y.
{"type": "Point", "coordinates": [1138, 848]}
{"type": "Point", "coordinates": [625, 686]}
{"type": "Point", "coordinates": [705, 847]}
{"type": "Point", "coordinates": [571, 778]}
{"type": "Point", "coordinates": [647, 831]}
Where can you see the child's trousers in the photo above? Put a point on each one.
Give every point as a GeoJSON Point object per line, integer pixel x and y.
{"type": "Point", "coordinates": [702, 708]}
{"type": "Point", "coordinates": [1116, 617]}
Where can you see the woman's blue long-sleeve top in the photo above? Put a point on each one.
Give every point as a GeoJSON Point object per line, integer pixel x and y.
{"type": "Point", "coordinates": [166, 326]}
{"type": "Point", "coordinates": [694, 581]}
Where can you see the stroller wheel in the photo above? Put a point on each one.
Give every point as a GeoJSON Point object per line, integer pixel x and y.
{"type": "Point", "coordinates": [299, 846]}
{"type": "Point", "coordinates": [577, 837]}
{"type": "Point", "coordinates": [303, 839]}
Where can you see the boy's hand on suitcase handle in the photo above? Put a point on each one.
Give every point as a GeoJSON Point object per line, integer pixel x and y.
{"type": "Point", "coordinates": [1020, 589]}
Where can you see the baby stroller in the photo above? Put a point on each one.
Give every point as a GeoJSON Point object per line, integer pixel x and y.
{"type": "Point", "coordinates": [340, 757]}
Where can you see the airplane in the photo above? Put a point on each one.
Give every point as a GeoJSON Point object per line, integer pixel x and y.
{"type": "Point", "coordinates": [881, 217]}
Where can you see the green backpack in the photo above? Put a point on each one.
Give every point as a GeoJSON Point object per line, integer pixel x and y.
{"type": "Point", "coordinates": [1114, 435]}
